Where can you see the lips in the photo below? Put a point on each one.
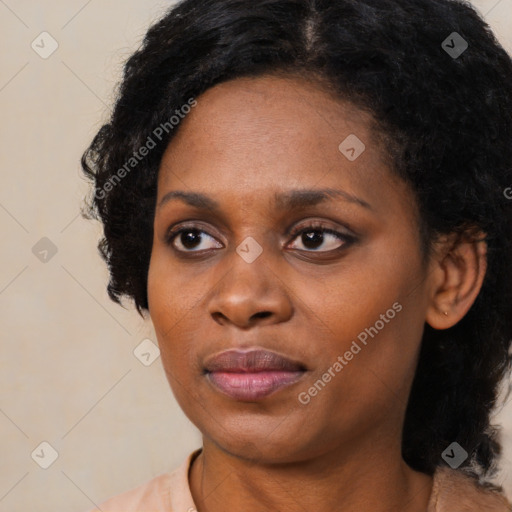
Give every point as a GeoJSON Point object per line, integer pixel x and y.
{"type": "Point", "coordinates": [251, 375]}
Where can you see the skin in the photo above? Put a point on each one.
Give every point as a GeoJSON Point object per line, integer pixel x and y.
{"type": "Point", "coordinates": [246, 140]}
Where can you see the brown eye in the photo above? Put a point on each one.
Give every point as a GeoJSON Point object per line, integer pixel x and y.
{"type": "Point", "coordinates": [191, 240]}
{"type": "Point", "coordinates": [320, 239]}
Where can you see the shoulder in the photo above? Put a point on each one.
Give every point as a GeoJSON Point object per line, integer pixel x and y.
{"type": "Point", "coordinates": [151, 496]}
{"type": "Point", "coordinates": [454, 490]}
{"type": "Point", "coordinates": [167, 492]}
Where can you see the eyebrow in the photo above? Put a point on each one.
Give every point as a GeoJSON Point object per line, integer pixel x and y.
{"type": "Point", "coordinates": [293, 199]}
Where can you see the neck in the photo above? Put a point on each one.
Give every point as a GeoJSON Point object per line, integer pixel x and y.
{"type": "Point", "coordinates": [346, 482]}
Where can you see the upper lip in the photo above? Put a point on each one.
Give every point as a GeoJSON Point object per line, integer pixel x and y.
{"type": "Point", "coordinates": [252, 360]}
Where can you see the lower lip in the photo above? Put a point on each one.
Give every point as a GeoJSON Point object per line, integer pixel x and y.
{"type": "Point", "coordinates": [252, 386]}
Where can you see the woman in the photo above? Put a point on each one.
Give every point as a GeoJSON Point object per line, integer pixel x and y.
{"type": "Point", "coordinates": [309, 198]}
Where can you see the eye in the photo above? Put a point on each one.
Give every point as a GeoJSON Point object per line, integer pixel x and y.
{"type": "Point", "coordinates": [190, 239]}
{"type": "Point", "coordinates": [316, 236]}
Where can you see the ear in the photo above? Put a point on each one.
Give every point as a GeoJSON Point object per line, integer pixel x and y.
{"type": "Point", "coordinates": [456, 275]}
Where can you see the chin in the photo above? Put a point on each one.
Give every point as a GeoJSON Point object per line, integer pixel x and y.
{"type": "Point", "coordinates": [259, 440]}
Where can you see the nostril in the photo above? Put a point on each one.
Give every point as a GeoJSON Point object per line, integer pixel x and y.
{"type": "Point", "coordinates": [261, 314]}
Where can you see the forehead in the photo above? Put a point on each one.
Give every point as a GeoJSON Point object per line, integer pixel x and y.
{"type": "Point", "coordinates": [271, 133]}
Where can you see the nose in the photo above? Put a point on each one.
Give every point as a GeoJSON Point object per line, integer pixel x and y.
{"type": "Point", "coordinates": [250, 294]}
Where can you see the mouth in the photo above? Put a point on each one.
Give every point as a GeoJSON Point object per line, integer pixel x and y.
{"type": "Point", "coordinates": [251, 375]}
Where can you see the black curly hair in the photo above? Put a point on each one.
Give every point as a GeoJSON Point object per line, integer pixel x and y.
{"type": "Point", "coordinates": [447, 123]}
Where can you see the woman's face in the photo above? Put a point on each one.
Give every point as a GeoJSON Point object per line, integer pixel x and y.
{"type": "Point", "coordinates": [253, 269]}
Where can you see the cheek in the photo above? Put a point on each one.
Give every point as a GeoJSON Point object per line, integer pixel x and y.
{"type": "Point", "coordinates": [170, 295]}
{"type": "Point", "coordinates": [368, 313]}
{"type": "Point", "coordinates": [157, 286]}
{"type": "Point", "coordinates": [175, 303]}
{"type": "Point", "coordinates": [346, 302]}
{"type": "Point", "coordinates": [166, 308]}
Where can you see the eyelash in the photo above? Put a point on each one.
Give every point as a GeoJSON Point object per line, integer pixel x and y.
{"type": "Point", "coordinates": [345, 238]}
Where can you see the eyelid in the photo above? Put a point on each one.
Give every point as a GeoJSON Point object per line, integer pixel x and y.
{"type": "Point", "coordinates": [190, 224]}
{"type": "Point", "coordinates": [319, 224]}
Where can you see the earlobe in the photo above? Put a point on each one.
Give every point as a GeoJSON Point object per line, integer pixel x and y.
{"type": "Point", "coordinates": [456, 281]}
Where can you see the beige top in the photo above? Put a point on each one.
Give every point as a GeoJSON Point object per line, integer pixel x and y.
{"type": "Point", "coordinates": [452, 491]}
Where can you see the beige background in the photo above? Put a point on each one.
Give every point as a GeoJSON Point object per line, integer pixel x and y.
{"type": "Point", "coordinates": [68, 373]}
